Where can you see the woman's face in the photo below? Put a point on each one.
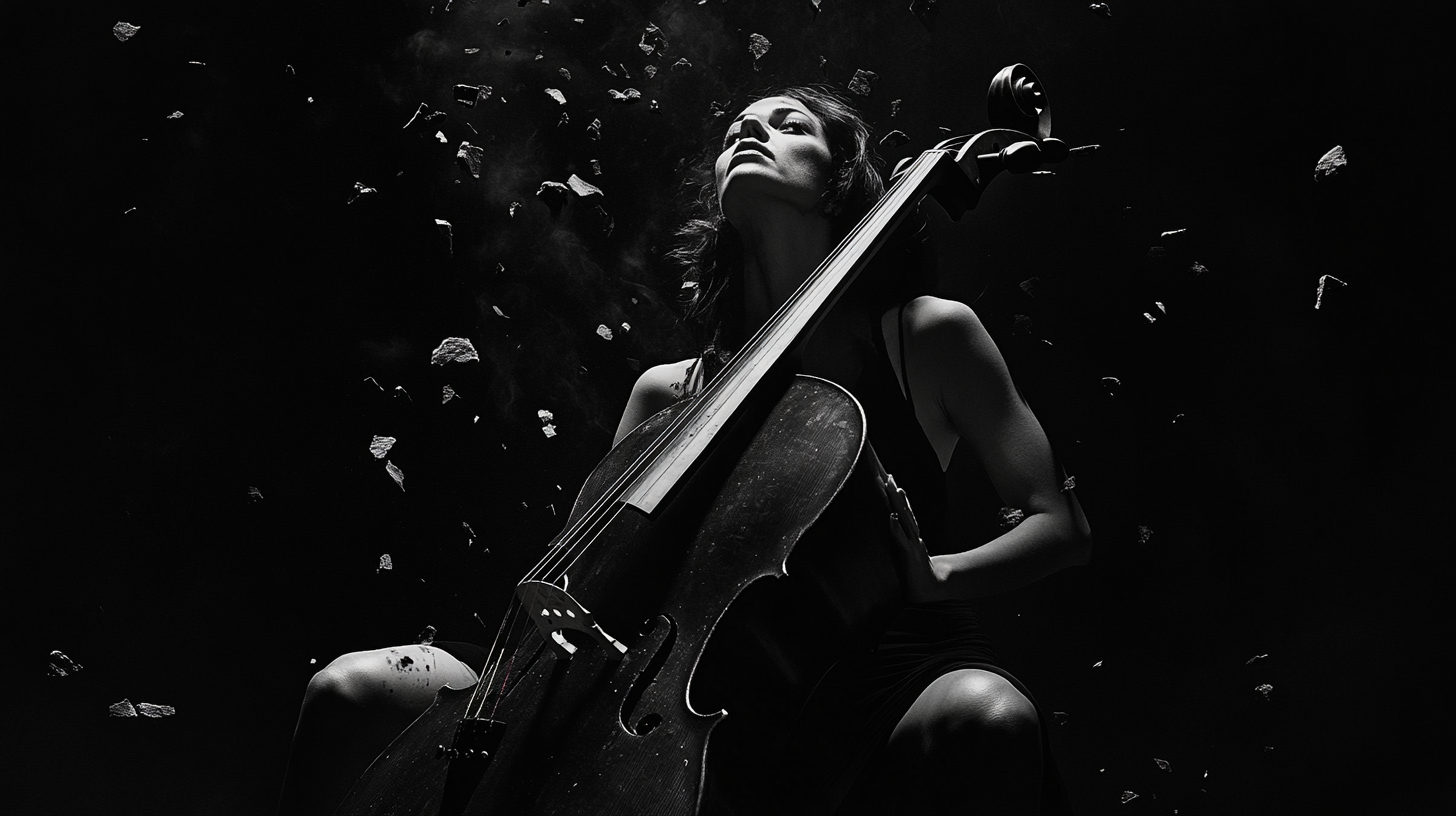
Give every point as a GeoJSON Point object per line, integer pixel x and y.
{"type": "Point", "coordinates": [776, 151]}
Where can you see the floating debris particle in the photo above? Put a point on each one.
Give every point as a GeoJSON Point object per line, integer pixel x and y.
{"type": "Point", "coordinates": [472, 50]}
{"type": "Point", "coordinates": [422, 117]}
{"type": "Point", "coordinates": [254, 495]}
{"type": "Point", "coordinates": [1097, 665]}
{"type": "Point", "coordinates": [860, 82]}
{"type": "Point", "coordinates": [125, 31]}
{"type": "Point", "coordinates": [1256, 658]}
{"type": "Point", "coordinates": [609, 69]}
{"type": "Point", "coordinates": [515, 205]}
{"type": "Point", "coordinates": [471, 95]}
{"type": "Point", "coordinates": [681, 65]}
{"type": "Point", "coordinates": [470, 156]}
{"type": "Point", "coordinates": [653, 107]}
{"type": "Point", "coordinates": [1030, 286]}
{"type": "Point", "coordinates": [1264, 689]}
{"type": "Point", "coordinates": [1128, 796]}
{"type": "Point", "coordinates": [894, 139]}
{"type": "Point", "coordinates": [925, 10]}
{"type": "Point", "coordinates": [557, 95]}
{"type": "Point", "coordinates": [426, 636]}
{"type": "Point", "coordinates": [1172, 233]}
{"type": "Point", "coordinates": [582, 187]}
{"type": "Point", "coordinates": [626, 95]}
{"type": "Point", "coordinates": [380, 445]}
{"type": "Point", "coordinates": [1319, 294]}
{"type": "Point", "coordinates": [440, 137]}
{"type": "Point", "coordinates": [395, 473]}
{"type": "Point", "coordinates": [1101, 9]}
{"type": "Point", "coordinates": [175, 115]}
{"type": "Point", "coordinates": [545, 415]}
{"type": "Point", "coordinates": [446, 394]}
{"type": "Point", "coordinates": [1197, 269]}
{"type": "Point", "coordinates": [604, 332]}
{"type": "Point", "coordinates": [122, 709]}
{"type": "Point", "coordinates": [154, 710]}
{"type": "Point", "coordinates": [1009, 517]}
{"type": "Point", "coordinates": [816, 3]}
{"type": "Point", "coordinates": [454, 350]}
{"type": "Point", "coordinates": [564, 120]}
{"type": "Point", "coordinates": [1021, 324]}
{"type": "Point", "coordinates": [1111, 383]}
{"type": "Point", "coordinates": [596, 167]}
{"type": "Point", "coordinates": [626, 328]}
{"type": "Point", "coordinates": [1059, 717]}
{"type": "Point", "coordinates": [1163, 763]}
{"type": "Point", "coordinates": [1178, 417]}
{"type": "Point", "coordinates": [1069, 483]}
{"type": "Point", "coordinates": [1161, 307]}
{"type": "Point", "coordinates": [60, 665]}
{"type": "Point", "coordinates": [360, 191]}
{"type": "Point", "coordinates": [400, 392]}
{"type": "Point", "coordinates": [758, 45]}
{"type": "Point", "coordinates": [650, 71]}
{"type": "Point", "coordinates": [895, 107]}
{"type": "Point", "coordinates": [553, 194]}
{"type": "Point", "coordinates": [385, 563]}
{"type": "Point", "coordinates": [499, 313]}
{"type": "Point", "coordinates": [549, 430]}
{"type": "Point", "coordinates": [594, 130]}
{"type": "Point", "coordinates": [443, 227]}
{"type": "Point", "coordinates": [1330, 165]}
{"type": "Point", "coordinates": [1150, 317]}
{"type": "Point", "coordinates": [1145, 534]}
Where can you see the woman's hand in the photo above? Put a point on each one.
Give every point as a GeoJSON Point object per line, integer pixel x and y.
{"type": "Point", "coordinates": [923, 581]}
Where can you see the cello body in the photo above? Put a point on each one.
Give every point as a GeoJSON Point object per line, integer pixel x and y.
{"type": "Point", "coordinates": [770, 563]}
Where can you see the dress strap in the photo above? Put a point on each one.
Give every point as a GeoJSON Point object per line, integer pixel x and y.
{"type": "Point", "coordinates": [904, 369]}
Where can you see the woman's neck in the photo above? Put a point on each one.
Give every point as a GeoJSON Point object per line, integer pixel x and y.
{"type": "Point", "coordinates": [778, 255]}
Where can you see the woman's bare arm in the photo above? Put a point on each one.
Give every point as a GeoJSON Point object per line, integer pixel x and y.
{"type": "Point", "coordinates": [979, 403]}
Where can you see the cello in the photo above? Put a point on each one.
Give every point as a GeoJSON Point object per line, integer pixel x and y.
{"type": "Point", "coordinates": [713, 567]}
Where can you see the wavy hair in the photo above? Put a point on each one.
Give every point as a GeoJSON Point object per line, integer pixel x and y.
{"type": "Point", "coordinates": [709, 250]}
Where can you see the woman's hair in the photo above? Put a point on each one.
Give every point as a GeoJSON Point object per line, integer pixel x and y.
{"type": "Point", "coordinates": [709, 250]}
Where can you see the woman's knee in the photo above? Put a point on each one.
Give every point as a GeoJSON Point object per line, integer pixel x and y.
{"type": "Point", "coordinates": [402, 677]}
{"type": "Point", "coordinates": [973, 712]}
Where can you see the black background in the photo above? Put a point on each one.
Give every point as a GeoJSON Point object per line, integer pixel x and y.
{"type": "Point", "coordinates": [198, 308]}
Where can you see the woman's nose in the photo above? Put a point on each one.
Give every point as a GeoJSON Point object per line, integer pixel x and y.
{"type": "Point", "coordinates": [751, 126]}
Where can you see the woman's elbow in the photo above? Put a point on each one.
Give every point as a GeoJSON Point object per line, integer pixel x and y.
{"type": "Point", "coordinates": [1077, 544]}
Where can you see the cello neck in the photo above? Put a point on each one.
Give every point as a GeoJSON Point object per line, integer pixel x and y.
{"type": "Point", "coordinates": [785, 332]}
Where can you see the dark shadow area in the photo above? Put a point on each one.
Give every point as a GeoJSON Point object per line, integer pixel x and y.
{"type": "Point", "coordinates": [228, 272]}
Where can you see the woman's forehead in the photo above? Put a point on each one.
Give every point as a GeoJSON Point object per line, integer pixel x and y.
{"type": "Point", "coordinates": [771, 105]}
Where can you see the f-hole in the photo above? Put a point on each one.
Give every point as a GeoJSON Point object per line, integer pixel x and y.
{"type": "Point", "coordinates": [642, 727]}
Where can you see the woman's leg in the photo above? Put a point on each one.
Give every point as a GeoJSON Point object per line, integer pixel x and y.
{"type": "Point", "coordinates": [970, 744]}
{"type": "Point", "coordinates": [353, 708]}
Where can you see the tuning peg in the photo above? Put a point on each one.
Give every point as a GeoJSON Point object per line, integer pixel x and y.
{"type": "Point", "coordinates": [1021, 157]}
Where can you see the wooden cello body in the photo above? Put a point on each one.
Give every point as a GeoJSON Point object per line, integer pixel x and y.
{"type": "Point", "coordinates": [776, 541]}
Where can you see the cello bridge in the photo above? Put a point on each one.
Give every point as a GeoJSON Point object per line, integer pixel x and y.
{"type": "Point", "coordinates": [553, 609]}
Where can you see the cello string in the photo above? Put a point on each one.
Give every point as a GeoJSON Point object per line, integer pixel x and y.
{"type": "Point", "coordinates": [852, 246]}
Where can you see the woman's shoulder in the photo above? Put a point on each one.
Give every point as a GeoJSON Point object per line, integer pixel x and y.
{"type": "Point", "coordinates": [930, 319]}
{"type": "Point", "coordinates": [669, 381]}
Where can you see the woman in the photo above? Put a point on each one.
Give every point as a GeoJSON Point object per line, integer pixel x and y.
{"type": "Point", "coordinates": [944, 730]}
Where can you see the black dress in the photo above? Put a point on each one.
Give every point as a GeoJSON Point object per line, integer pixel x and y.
{"type": "Point", "coordinates": [862, 699]}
